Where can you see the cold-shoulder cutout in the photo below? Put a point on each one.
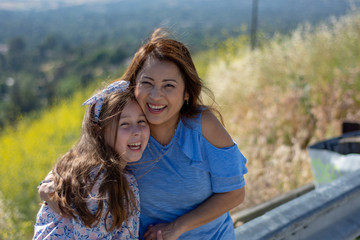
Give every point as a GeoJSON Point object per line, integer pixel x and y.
{"type": "Point", "coordinates": [213, 131]}
{"type": "Point", "coordinates": [222, 159]}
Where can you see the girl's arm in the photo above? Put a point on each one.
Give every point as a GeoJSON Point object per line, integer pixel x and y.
{"type": "Point", "coordinates": [46, 190]}
{"type": "Point", "coordinates": [50, 225]}
{"type": "Point", "coordinates": [213, 207]}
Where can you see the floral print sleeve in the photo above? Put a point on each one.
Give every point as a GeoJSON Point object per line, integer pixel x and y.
{"type": "Point", "coordinates": [50, 225]}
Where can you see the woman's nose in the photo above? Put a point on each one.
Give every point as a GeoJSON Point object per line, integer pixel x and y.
{"type": "Point", "coordinates": [155, 93]}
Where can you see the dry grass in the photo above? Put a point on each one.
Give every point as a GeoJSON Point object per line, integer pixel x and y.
{"type": "Point", "coordinates": [293, 92]}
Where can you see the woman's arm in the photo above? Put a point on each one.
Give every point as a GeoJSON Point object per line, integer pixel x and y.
{"type": "Point", "coordinates": [213, 207]}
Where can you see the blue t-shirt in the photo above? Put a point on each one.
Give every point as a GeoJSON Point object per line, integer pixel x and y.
{"type": "Point", "coordinates": [176, 178]}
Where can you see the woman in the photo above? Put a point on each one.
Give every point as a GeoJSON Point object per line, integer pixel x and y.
{"type": "Point", "coordinates": [197, 175]}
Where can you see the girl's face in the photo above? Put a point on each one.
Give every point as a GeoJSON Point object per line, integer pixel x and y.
{"type": "Point", "coordinates": [132, 133]}
{"type": "Point", "coordinates": [160, 91]}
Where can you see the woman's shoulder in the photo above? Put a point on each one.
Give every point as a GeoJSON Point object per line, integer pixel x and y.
{"type": "Point", "coordinates": [201, 134]}
{"type": "Point", "coordinates": [213, 131]}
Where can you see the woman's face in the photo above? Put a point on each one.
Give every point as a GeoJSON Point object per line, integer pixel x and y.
{"type": "Point", "coordinates": [132, 133]}
{"type": "Point", "coordinates": [160, 91]}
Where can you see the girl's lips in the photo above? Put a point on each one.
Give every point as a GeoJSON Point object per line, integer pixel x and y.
{"type": "Point", "coordinates": [135, 146]}
{"type": "Point", "coordinates": [155, 108]}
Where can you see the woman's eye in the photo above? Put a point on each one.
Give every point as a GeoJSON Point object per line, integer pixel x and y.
{"type": "Point", "coordinates": [145, 83]}
{"type": "Point", "coordinates": [169, 86]}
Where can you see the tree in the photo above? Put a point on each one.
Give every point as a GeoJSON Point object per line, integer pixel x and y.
{"type": "Point", "coordinates": [16, 58]}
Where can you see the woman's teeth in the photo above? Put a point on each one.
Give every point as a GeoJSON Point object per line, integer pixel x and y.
{"type": "Point", "coordinates": [157, 107]}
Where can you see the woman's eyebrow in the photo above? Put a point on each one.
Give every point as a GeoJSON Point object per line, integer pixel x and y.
{"type": "Point", "coordinates": [170, 80]}
{"type": "Point", "coordinates": [147, 77]}
{"type": "Point", "coordinates": [164, 80]}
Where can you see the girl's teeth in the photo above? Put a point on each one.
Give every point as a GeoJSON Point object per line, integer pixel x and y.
{"type": "Point", "coordinates": [135, 146]}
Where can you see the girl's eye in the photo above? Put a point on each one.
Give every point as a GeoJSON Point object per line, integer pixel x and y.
{"type": "Point", "coordinates": [142, 122]}
{"type": "Point", "coordinates": [124, 124]}
{"type": "Point", "coordinates": [169, 86]}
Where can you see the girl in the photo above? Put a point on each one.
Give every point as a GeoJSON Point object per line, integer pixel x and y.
{"type": "Point", "coordinates": [96, 194]}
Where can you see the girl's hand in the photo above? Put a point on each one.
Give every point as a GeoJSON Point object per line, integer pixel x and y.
{"type": "Point", "coordinates": [159, 235]}
{"type": "Point", "coordinates": [46, 190]}
{"type": "Point", "coordinates": [162, 231]}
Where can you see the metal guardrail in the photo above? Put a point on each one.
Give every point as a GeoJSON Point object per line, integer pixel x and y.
{"type": "Point", "coordinates": [248, 214]}
{"type": "Point", "coordinates": [329, 212]}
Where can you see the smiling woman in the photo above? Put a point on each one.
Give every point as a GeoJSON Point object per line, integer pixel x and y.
{"type": "Point", "coordinates": [191, 162]}
{"type": "Point", "coordinates": [160, 91]}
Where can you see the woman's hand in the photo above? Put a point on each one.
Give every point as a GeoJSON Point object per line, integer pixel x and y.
{"type": "Point", "coordinates": [162, 231]}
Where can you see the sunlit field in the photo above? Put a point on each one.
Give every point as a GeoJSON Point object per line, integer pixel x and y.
{"type": "Point", "coordinates": [27, 154]}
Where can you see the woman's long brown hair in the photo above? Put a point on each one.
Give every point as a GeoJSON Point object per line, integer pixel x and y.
{"type": "Point", "coordinates": [164, 48]}
{"type": "Point", "coordinates": [72, 173]}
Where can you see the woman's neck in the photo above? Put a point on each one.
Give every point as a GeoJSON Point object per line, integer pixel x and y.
{"type": "Point", "coordinates": [163, 133]}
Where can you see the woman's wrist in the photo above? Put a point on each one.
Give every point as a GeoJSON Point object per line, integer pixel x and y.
{"type": "Point", "coordinates": [180, 225]}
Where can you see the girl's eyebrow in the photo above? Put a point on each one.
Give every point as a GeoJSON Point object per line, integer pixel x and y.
{"type": "Point", "coordinates": [130, 116]}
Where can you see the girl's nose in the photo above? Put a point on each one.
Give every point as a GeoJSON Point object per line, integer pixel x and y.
{"type": "Point", "coordinates": [136, 130]}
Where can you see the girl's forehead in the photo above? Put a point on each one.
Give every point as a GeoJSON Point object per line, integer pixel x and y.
{"type": "Point", "coordinates": [132, 108]}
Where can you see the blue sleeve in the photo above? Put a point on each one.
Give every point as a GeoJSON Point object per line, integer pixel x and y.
{"type": "Point", "coordinates": [226, 166]}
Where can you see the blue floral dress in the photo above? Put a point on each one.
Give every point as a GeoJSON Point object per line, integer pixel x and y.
{"type": "Point", "coordinates": [50, 225]}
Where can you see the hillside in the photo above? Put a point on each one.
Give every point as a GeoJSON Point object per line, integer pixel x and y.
{"type": "Point", "coordinates": [129, 20]}
{"type": "Point", "coordinates": [275, 101]}
{"type": "Point", "coordinates": [50, 49]}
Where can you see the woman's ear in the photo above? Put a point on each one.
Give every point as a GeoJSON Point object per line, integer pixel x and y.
{"type": "Point", "coordinates": [186, 97]}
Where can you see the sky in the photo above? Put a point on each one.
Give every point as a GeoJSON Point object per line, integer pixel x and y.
{"type": "Point", "coordinates": [19, 5]}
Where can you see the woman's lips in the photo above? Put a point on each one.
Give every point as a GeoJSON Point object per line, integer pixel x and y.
{"type": "Point", "coordinates": [156, 108]}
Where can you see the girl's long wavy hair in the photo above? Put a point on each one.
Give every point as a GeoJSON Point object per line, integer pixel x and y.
{"type": "Point", "coordinates": [72, 173]}
{"type": "Point", "coordinates": [163, 47]}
